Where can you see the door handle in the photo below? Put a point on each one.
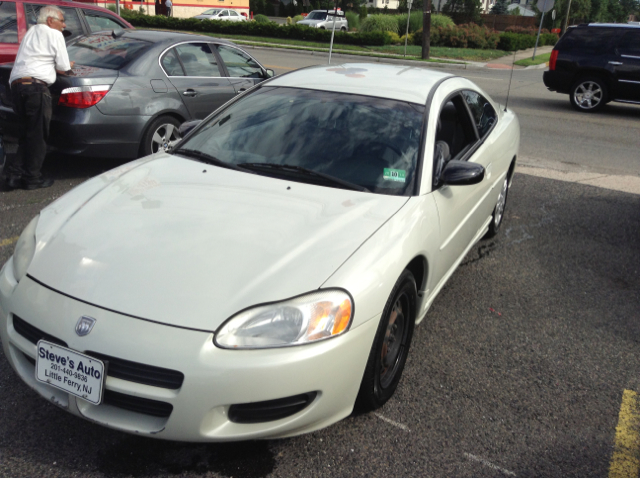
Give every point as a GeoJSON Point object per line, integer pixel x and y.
{"type": "Point", "coordinates": [190, 92]}
{"type": "Point", "coordinates": [616, 63]}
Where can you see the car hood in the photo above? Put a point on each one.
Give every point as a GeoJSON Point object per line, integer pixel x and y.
{"type": "Point", "coordinates": [189, 244]}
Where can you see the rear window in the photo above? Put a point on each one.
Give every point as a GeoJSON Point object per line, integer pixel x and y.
{"type": "Point", "coordinates": [104, 51]}
{"type": "Point", "coordinates": [592, 40]}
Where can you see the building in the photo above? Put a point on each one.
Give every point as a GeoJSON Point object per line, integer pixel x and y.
{"type": "Point", "coordinates": [181, 8]}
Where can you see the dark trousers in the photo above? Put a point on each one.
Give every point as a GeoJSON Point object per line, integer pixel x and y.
{"type": "Point", "coordinates": [32, 104]}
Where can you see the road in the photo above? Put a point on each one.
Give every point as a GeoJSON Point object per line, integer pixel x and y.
{"type": "Point", "coordinates": [518, 370]}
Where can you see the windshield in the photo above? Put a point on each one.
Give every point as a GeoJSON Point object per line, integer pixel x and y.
{"type": "Point", "coordinates": [213, 11]}
{"type": "Point", "coordinates": [369, 142]}
{"type": "Point", "coordinates": [317, 16]}
{"type": "Point", "coordinates": [104, 51]}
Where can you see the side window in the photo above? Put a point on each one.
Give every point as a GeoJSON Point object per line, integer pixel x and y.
{"type": "Point", "coordinates": [233, 13]}
{"type": "Point", "coordinates": [198, 61]}
{"type": "Point", "coordinates": [71, 18]}
{"type": "Point", "coordinates": [630, 44]}
{"type": "Point", "coordinates": [171, 64]}
{"type": "Point", "coordinates": [98, 22]}
{"type": "Point", "coordinates": [483, 113]}
{"type": "Point", "coordinates": [238, 63]}
{"type": "Point", "coordinates": [224, 13]}
{"type": "Point", "coordinates": [8, 23]}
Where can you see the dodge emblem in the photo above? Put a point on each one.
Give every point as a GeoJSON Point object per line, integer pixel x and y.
{"type": "Point", "coordinates": [84, 325]}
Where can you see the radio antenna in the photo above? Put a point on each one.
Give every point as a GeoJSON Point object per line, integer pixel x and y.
{"type": "Point", "coordinates": [510, 78]}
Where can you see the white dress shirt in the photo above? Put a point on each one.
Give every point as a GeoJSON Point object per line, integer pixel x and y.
{"type": "Point", "coordinates": [41, 53]}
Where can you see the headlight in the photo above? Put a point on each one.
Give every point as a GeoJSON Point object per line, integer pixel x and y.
{"type": "Point", "coordinates": [305, 319]}
{"type": "Point", "coordinates": [25, 248]}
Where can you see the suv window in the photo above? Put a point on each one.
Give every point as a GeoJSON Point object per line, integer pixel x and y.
{"type": "Point", "coordinates": [630, 44]}
{"type": "Point", "coordinates": [98, 21]}
{"type": "Point", "coordinates": [8, 23]}
{"type": "Point", "coordinates": [592, 40]}
{"type": "Point", "coordinates": [483, 113]}
{"type": "Point", "coordinates": [71, 18]}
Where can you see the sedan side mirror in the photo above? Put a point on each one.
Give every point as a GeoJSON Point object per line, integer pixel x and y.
{"type": "Point", "coordinates": [459, 173]}
{"type": "Point", "coordinates": [270, 73]}
{"type": "Point", "coordinates": [187, 126]}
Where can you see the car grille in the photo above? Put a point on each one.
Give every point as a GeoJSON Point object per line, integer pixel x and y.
{"type": "Point", "coordinates": [272, 410]}
{"type": "Point", "coordinates": [140, 373]}
{"type": "Point", "coordinates": [118, 368]}
{"type": "Point", "coordinates": [33, 334]}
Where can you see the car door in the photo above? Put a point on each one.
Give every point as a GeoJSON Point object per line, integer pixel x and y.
{"type": "Point", "coordinates": [8, 31]}
{"type": "Point", "coordinates": [627, 66]}
{"type": "Point", "coordinates": [244, 72]}
{"type": "Point", "coordinates": [194, 70]}
{"type": "Point", "coordinates": [462, 209]}
{"type": "Point", "coordinates": [223, 15]}
{"type": "Point", "coordinates": [234, 16]}
{"type": "Point", "coordinates": [99, 21]}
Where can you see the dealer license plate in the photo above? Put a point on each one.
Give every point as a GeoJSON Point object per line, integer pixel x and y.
{"type": "Point", "coordinates": [70, 371]}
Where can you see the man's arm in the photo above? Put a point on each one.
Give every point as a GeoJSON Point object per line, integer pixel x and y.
{"type": "Point", "coordinates": [62, 57]}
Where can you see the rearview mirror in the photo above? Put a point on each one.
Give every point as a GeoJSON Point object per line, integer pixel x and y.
{"type": "Point", "coordinates": [459, 173]}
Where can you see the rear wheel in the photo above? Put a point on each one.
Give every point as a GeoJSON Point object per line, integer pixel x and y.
{"type": "Point", "coordinates": [589, 94]}
{"type": "Point", "coordinates": [498, 211]}
{"type": "Point", "coordinates": [390, 346]}
{"type": "Point", "coordinates": [161, 135]}
{"type": "Point", "coordinates": [343, 29]}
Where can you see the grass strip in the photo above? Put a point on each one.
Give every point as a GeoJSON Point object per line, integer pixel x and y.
{"type": "Point", "coordinates": [527, 62]}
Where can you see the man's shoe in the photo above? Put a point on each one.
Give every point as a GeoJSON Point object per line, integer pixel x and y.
{"type": "Point", "coordinates": [43, 183]}
{"type": "Point", "coordinates": [13, 182]}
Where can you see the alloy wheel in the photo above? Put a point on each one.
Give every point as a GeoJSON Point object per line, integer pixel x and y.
{"type": "Point", "coordinates": [165, 136]}
{"type": "Point", "coordinates": [588, 95]}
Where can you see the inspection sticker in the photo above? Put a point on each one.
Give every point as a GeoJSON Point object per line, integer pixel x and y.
{"type": "Point", "coordinates": [394, 175]}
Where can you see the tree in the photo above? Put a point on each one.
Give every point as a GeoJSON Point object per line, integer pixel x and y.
{"type": "Point", "coordinates": [580, 10]}
{"type": "Point", "coordinates": [499, 8]}
{"type": "Point", "coordinates": [463, 11]}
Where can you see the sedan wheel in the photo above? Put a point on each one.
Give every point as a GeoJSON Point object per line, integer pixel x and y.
{"type": "Point", "coordinates": [161, 135]}
{"type": "Point", "coordinates": [588, 94]}
{"type": "Point", "coordinates": [390, 347]}
{"type": "Point", "coordinates": [498, 211]}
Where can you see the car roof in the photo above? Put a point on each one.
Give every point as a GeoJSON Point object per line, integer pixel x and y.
{"type": "Point", "coordinates": [614, 25]}
{"type": "Point", "coordinates": [396, 82]}
{"type": "Point", "coordinates": [69, 3]}
{"type": "Point", "coordinates": [157, 36]}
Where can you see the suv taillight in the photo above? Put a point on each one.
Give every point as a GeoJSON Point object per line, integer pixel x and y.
{"type": "Point", "coordinates": [83, 96]}
{"type": "Point", "coordinates": [552, 60]}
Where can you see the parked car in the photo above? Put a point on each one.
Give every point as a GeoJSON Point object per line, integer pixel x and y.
{"type": "Point", "coordinates": [229, 15]}
{"type": "Point", "coordinates": [131, 90]}
{"type": "Point", "coordinates": [16, 16]}
{"type": "Point", "coordinates": [596, 64]}
{"type": "Point", "coordinates": [266, 274]}
{"type": "Point", "coordinates": [324, 19]}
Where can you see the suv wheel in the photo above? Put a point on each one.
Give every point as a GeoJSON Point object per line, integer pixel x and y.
{"type": "Point", "coordinates": [589, 94]}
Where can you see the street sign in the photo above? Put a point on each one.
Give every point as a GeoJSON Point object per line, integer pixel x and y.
{"type": "Point", "coordinates": [553, 15]}
{"type": "Point", "coordinates": [545, 5]}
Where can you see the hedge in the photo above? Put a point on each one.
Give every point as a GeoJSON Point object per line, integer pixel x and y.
{"type": "Point", "coordinates": [518, 41]}
{"type": "Point", "coordinates": [295, 32]}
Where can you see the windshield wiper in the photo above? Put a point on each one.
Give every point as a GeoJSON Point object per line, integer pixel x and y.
{"type": "Point", "coordinates": [205, 158]}
{"type": "Point", "coordinates": [305, 172]}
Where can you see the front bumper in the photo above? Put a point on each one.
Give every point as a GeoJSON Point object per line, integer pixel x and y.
{"type": "Point", "coordinates": [214, 379]}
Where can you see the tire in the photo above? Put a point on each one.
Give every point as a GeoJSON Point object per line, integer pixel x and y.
{"type": "Point", "coordinates": [161, 134]}
{"type": "Point", "coordinates": [390, 346]}
{"type": "Point", "coordinates": [588, 94]}
{"type": "Point", "coordinates": [343, 29]}
{"type": "Point", "coordinates": [498, 212]}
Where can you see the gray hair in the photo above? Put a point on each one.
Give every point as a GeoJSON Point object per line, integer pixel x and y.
{"type": "Point", "coordinates": [49, 11]}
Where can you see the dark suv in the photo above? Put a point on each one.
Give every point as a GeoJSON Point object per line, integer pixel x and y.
{"type": "Point", "coordinates": [596, 64]}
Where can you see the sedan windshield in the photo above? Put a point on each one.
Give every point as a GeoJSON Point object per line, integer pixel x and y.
{"type": "Point", "coordinates": [104, 51]}
{"type": "Point", "coordinates": [317, 16]}
{"type": "Point", "coordinates": [331, 139]}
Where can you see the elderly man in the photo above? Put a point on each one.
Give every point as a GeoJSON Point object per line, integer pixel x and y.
{"type": "Point", "coordinates": [42, 53]}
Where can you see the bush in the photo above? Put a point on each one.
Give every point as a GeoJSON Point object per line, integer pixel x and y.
{"type": "Point", "coordinates": [394, 39]}
{"type": "Point", "coordinates": [461, 36]}
{"type": "Point", "coordinates": [440, 20]}
{"type": "Point", "coordinates": [415, 22]}
{"type": "Point", "coordinates": [363, 12]}
{"type": "Point", "coordinates": [289, 21]}
{"type": "Point", "coordinates": [262, 19]}
{"type": "Point", "coordinates": [409, 40]}
{"type": "Point", "coordinates": [548, 38]}
{"type": "Point", "coordinates": [297, 18]}
{"type": "Point", "coordinates": [257, 28]}
{"type": "Point", "coordinates": [516, 41]}
{"type": "Point", "coordinates": [353, 19]}
{"type": "Point", "coordinates": [379, 23]}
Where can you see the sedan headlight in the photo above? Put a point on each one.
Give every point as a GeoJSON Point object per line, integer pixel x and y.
{"type": "Point", "coordinates": [305, 319]}
{"type": "Point", "coordinates": [25, 249]}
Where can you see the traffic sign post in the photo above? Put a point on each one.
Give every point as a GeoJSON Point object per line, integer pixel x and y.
{"type": "Point", "coordinates": [406, 35]}
{"type": "Point", "coordinates": [544, 6]}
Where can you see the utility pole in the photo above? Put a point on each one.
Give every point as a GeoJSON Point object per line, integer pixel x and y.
{"type": "Point", "coordinates": [426, 29]}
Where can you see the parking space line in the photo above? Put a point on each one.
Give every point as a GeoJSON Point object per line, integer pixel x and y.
{"type": "Point", "coordinates": [8, 241]}
{"type": "Point", "coordinates": [392, 422]}
{"type": "Point", "coordinates": [489, 464]}
{"type": "Point", "coordinates": [625, 461]}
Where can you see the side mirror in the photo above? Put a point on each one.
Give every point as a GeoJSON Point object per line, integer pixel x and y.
{"type": "Point", "coordinates": [460, 173]}
{"type": "Point", "coordinates": [187, 126]}
{"type": "Point", "coordinates": [66, 33]}
{"type": "Point", "coordinates": [270, 73]}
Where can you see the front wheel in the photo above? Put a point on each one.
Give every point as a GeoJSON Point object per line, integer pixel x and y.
{"type": "Point", "coordinates": [390, 346]}
{"type": "Point", "coordinates": [589, 94]}
{"type": "Point", "coordinates": [161, 135]}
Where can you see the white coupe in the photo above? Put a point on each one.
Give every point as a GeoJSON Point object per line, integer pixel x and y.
{"type": "Point", "coordinates": [265, 276]}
